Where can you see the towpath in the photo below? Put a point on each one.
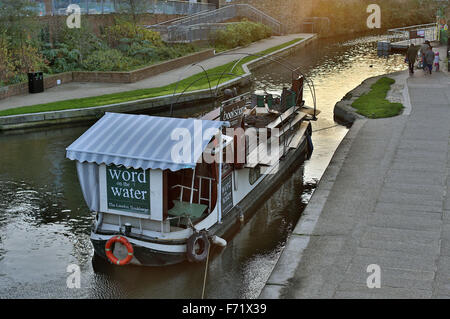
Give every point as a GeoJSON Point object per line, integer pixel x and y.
{"type": "Point", "coordinates": [76, 90]}
{"type": "Point", "coordinates": [384, 200]}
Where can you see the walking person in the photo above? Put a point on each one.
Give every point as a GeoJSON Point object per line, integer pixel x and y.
{"type": "Point", "coordinates": [436, 61]}
{"type": "Point", "coordinates": [429, 60]}
{"type": "Point", "coordinates": [411, 56]}
{"type": "Point", "coordinates": [423, 50]}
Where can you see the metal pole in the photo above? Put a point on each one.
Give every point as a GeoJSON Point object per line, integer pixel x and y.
{"type": "Point", "coordinates": [219, 200]}
{"type": "Point", "coordinates": [192, 184]}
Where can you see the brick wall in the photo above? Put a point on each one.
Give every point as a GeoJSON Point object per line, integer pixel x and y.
{"type": "Point", "coordinates": [22, 88]}
{"type": "Point", "coordinates": [137, 75]}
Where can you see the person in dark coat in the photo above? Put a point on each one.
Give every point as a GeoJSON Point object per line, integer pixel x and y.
{"type": "Point", "coordinates": [429, 59]}
{"type": "Point", "coordinates": [423, 50]}
{"type": "Point", "coordinates": [411, 56]}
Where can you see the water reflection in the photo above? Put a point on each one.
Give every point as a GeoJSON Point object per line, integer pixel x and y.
{"type": "Point", "coordinates": [45, 224]}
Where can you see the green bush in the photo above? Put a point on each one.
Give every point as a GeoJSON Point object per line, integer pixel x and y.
{"type": "Point", "coordinates": [241, 34]}
{"type": "Point", "coordinates": [61, 58]}
{"type": "Point", "coordinates": [127, 30]}
{"type": "Point", "coordinates": [146, 53]}
{"type": "Point", "coordinates": [83, 39]}
{"type": "Point", "coordinates": [108, 60]}
{"type": "Point", "coordinates": [7, 68]}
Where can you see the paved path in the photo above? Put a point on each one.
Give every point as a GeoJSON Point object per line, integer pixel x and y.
{"type": "Point", "coordinates": [385, 200]}
{"type": "Point", "coordinates": [78, 90]}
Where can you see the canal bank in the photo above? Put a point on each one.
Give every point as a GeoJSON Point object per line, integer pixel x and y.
{"type": "Point", "coordinates": [384, 200]}
{"type": "Point", "coordinates": [44, 201]}
{"type": "Point", "coordinates": [157, 103]}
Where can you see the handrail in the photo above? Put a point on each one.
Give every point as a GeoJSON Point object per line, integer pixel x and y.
{"type": "Point", "coordinates": [168, 22]}
{"type": "Point", "coordinates": [199, 26]}
{"type": "Point", "coordinates": [419, 26]}
{"type": "Point", "coordinates": [221, 14]}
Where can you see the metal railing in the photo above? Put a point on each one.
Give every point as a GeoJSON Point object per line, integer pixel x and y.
{"type": "Point", "coordinates": [191, 33]}
{"type": "Point", "coordinates": [230, 12]}
{"type": "Point", "coordinates": [203, 25]}
{"type": "Point", "coordinates": [423, 32]}
{"type": "Point", "coordinates": [59, 7]}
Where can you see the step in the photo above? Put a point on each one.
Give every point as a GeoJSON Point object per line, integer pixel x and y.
{"type": "Point", "coordinates": [310, 111]}
{"type": "Point", "coordinates": [299, 117]}
{"type": "Point", "coordinates": [297, 139]}
{"type": "Point", "coordinates": [283, 117]}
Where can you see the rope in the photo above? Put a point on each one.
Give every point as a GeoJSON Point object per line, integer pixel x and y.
{"type": "Point", "coordinates": [206, 272]}
{"type": "Point", "coordinates": [326, 128]}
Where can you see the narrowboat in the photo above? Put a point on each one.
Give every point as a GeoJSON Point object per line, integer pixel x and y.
{"type": "Point", "coordinates": [164, 189]}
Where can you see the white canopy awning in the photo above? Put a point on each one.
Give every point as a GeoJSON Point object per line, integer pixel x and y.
{"type": "Point", "coordinates": [144, 142]}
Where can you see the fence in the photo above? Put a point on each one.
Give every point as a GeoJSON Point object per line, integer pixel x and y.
{"type": "Point", "coordinates": [416, 34]}
{"type": "Point", "coordinates": [59, 7]}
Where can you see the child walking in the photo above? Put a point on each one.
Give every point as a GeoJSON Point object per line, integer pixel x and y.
{"type": "Point", "coordinates": [436, 61]}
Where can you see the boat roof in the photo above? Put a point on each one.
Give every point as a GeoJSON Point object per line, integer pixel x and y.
{"type": "Point", "coordinates": [144, 142]}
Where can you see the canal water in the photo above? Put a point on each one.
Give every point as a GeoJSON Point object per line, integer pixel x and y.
{"type": "Point", "coordinates": [45, 224]}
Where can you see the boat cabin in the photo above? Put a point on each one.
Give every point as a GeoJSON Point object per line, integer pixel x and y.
{"type": "Point", "coordinates": [146, 171]}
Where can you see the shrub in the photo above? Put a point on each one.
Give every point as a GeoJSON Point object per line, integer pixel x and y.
{"type": "Point", "coordinates": [61, 58]}
{"type": "Point", "coordinates": [28, 59]}
{"type": "Point", "coordinates": [7, 69]}
{"type": "Point", "coordinates": [83, 39]}
{"type": "Point", "coordinates": [241, 34]}
{"type": "Point", "coordinates": [145, 52]}
{"type": "Point", "coordinates": [108, 60]}
{"type": "Point", "coordinates": [127, 30]}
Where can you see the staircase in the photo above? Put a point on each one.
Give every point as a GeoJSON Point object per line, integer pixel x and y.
{"type": "Point", "coordinates": [202, 25]}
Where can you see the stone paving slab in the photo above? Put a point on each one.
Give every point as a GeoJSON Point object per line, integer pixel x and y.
{"type": "Point", "coordinates": [387, 202]}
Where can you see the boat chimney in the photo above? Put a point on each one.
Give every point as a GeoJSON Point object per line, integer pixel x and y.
{"type": "Point", "coordinates": [127, 229]}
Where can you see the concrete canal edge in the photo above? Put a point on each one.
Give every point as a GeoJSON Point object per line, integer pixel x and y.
{"type": "Point", "coordinates": [296, 244]}
{"type": "Point", "coordinates": [42, 119]}
{"type": "Point", "coordinates": [292, 253]}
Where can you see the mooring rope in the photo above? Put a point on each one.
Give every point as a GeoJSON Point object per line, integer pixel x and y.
{"type": "Point", "coordinates": [326, 128]}
{"type": "Point", "coordinates": [206, 272]}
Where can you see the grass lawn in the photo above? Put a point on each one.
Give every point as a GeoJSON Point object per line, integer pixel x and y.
{"type": "Point", "coordinates": [195, 82]}
{"type": "Point", "coordinates": [374, 104]}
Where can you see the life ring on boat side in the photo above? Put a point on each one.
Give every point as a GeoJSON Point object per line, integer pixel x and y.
{"type": "Point", "coordinates": [110, 255]}
{"type": "Point", "coordinates": [197, 247]}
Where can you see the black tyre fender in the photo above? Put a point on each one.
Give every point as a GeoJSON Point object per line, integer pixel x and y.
{"type": "Point", "coordinates": [310, 145]}
{"type": "Point", "coordinates": [309, 129]}
{"type": "Point", "coordinates": [197, 247]}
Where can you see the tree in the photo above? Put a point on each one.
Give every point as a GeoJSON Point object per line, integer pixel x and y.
{"type": "Point", "coordinates": [18, 23]}
{"type": "Point", "coordinates": [133, 8]}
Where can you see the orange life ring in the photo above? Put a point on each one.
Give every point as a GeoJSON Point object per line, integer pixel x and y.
{"type": "Point", "coordinates": [110, 255]}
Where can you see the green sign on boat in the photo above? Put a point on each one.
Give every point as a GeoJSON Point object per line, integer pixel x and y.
{"type": "Point", "coordinates": [128, 189]}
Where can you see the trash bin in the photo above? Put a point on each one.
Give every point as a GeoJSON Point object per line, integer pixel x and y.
{"type": "Point", "coordinates": [36, 82]}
